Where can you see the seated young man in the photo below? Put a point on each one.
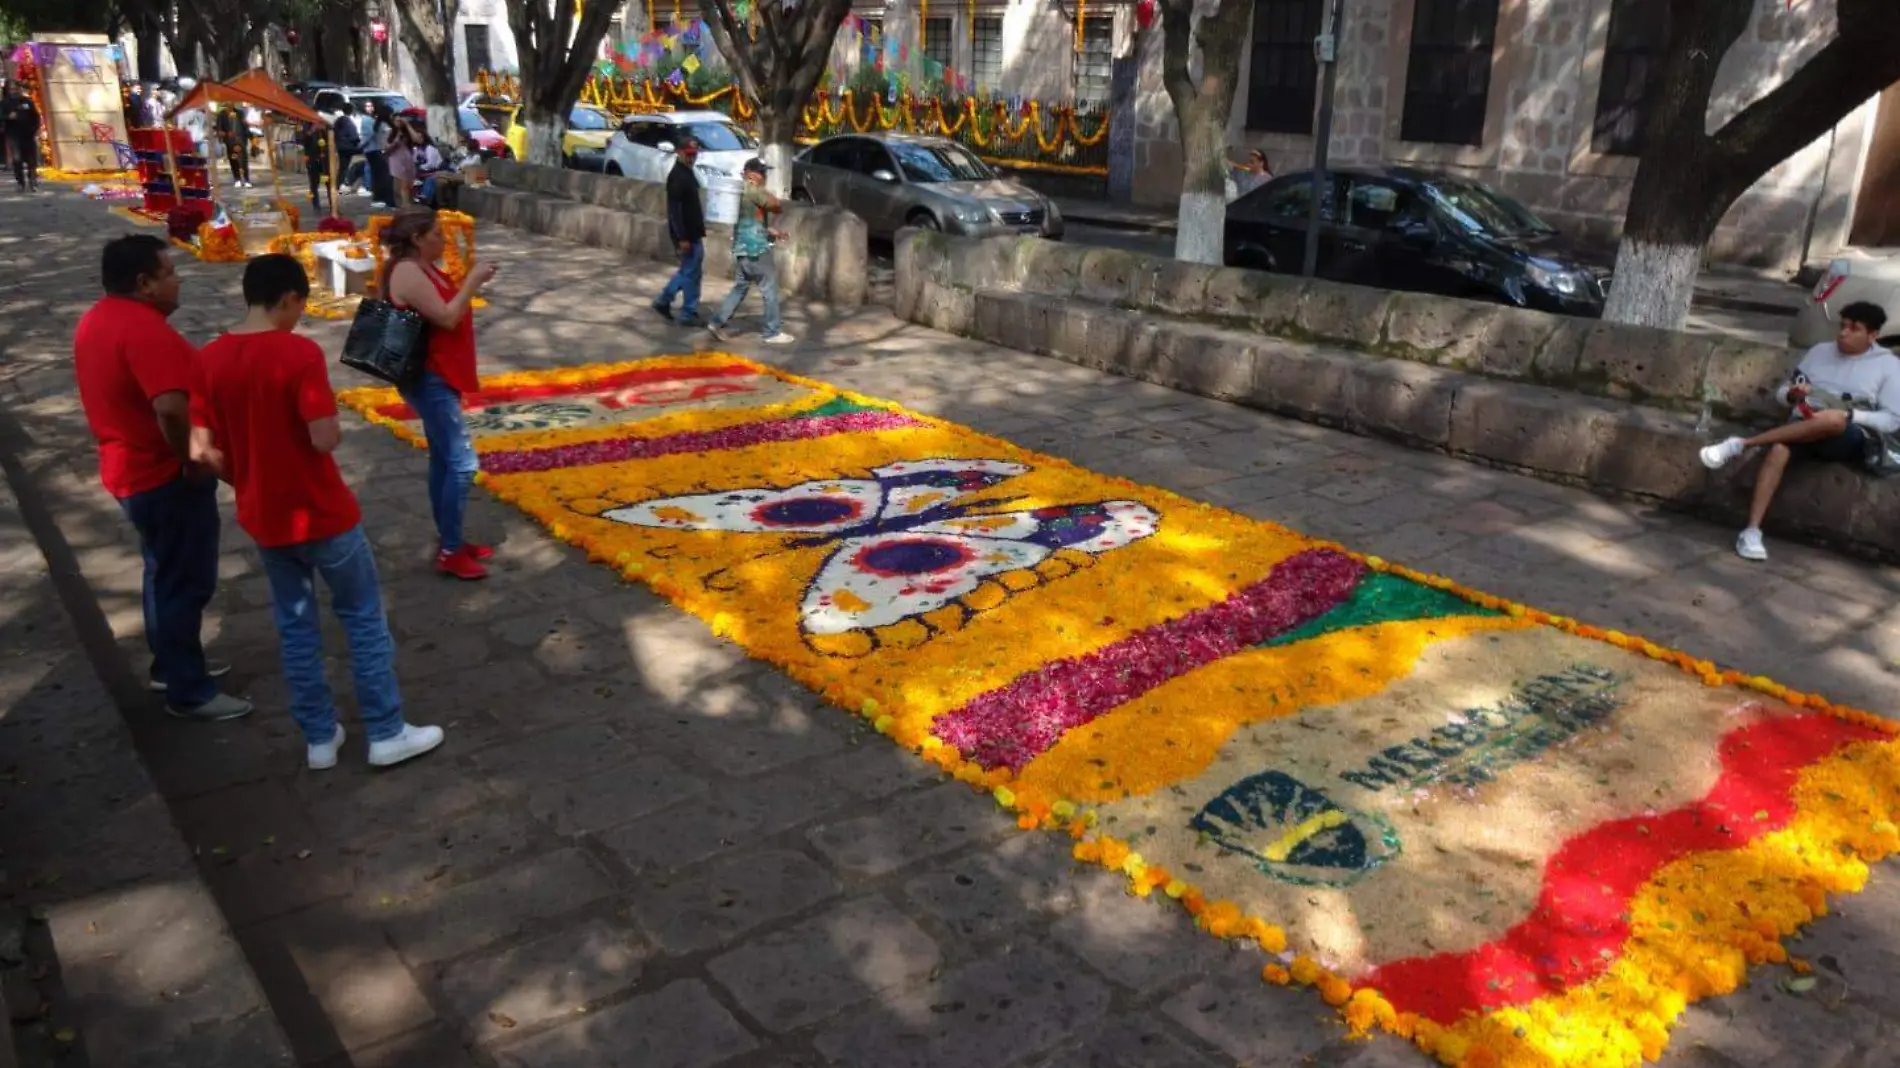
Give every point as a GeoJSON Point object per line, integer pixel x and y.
{"type": "Point", "coordinates": [264, 417]}
{"type": "Point", "coordinates": [1845, 393]}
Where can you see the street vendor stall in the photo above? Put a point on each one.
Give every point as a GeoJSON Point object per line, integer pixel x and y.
{"type": "Point", "coordinates": [249, 228]}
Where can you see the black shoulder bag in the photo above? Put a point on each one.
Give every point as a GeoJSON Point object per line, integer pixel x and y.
{"type": "Point", "coordinates": [387, 342]}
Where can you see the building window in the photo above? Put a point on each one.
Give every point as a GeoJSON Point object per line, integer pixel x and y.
{"type": "Point", "coordinates": [937, 40]}
{"type": "Point", "coordinates": [1282, 84]}
{"type": "Point", "coordinates": [1096, 66]}
{"type": "Point", "coordinates": [475, 34]}
{"type": "Point", "coordinates": [1630, 58]}
{"type": "Point", "coordinates": [1448, 79]}
{"type": "Point", "coordinates": [986, 53]}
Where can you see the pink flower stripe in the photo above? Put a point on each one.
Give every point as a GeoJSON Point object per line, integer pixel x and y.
{"type": "Point", "coordinates": [737, 437]}
{"type": "Point", "coordinates": [1013, 725]}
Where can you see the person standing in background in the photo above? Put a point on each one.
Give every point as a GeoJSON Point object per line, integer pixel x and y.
{"type": "Point", "coordinates": [134, 374]}
{"type": "Point", "coordinates": [752, 238]}
{"type": "Point", "coordinates": [376, 152]}
{"type": "Point", "coordinates": [20, 127]}
{"type": "Point", "coordinates": [400, 155]}
{"type": "Point", "coordinates": [235, 133]}
{"type": "Point", "coordinates": [686, 222]}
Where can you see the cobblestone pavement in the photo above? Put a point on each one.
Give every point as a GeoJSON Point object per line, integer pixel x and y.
{"type": "Point", "coordinates": [639, 848]}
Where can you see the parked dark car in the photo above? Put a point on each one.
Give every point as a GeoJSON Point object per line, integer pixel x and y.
{"type": "Point", "coordinates": [1404, 229]}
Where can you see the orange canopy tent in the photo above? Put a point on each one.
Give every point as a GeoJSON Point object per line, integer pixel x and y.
{"type": "Point", "coordinates": [253, 88]}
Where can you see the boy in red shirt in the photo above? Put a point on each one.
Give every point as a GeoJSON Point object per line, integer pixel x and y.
{"type": "Point", "coordinates": [264, 417]}
{"type": "Point", "coordinates": [134, 372]}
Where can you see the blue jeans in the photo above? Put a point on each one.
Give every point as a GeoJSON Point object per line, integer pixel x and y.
{"type": "Point", "coordinates": [752, 271]}
{"type": "Point", "coordinates": [178, 537]}
{"type": "Point", "coordinates": [452, 459]}
{"type": "Point", "coordinates": [685, 281]}
{"type": "Point", "coordinates": [348, 567]}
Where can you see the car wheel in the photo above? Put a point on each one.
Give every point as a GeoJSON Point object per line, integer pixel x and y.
{"type": "Point", "coordinates": [923, 220]}
{"type": "Point", "coordinates": [613, 169]}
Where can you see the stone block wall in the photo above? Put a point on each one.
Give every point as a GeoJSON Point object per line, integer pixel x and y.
{"type": "Point", "coordinates": [1610, 407]}
{"type": "Point", "coordinates": [823, 255]}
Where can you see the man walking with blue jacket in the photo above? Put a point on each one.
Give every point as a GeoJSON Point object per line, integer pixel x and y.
{"type": "Point", "coordinates": [686, 222]}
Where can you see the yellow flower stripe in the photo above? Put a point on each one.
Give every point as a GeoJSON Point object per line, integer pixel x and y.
{"type": "Point", "coordinates": [1695, 925]}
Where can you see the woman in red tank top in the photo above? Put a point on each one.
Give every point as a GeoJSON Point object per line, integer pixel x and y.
{"type": "Point", "coordinates": [414, 243]}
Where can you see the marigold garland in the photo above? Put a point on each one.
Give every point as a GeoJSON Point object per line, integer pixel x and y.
{"type": "Point", "coordinates": [1695, 926]}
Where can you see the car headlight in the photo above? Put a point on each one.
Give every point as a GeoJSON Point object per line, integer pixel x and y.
{"type": "Point", "coordinates": [1555, 279]}
{"type": "Point", "coordinates": [972, 213]}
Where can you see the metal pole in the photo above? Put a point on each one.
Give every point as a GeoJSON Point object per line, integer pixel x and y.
{"type": "Point", "coordinates": [1326, 50]}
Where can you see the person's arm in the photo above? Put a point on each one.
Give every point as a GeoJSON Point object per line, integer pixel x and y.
{"type": "Point", "coordinates": [1885, 418]}
{"type": "Point", "coordinates": [173, 410]}
{"type": "Point", "coordinates": [409, 285]}
{"type": "Point", "coordinates": [161, 364]}
{"type": "Point", "coordinates": [316, 400]}
{"type": "Point", "coordinates": [204, 428]}
{"type": "Point", "coordinates": [1795, 389]}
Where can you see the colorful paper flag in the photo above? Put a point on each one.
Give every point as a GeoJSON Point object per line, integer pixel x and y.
{"type": "Point", "coordinates": [691, 65]}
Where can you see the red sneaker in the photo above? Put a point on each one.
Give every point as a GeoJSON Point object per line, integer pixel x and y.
{"type": "Point", "coordinates": [477, 550]}
{"type": "Point", "coordinates": [460, 564]}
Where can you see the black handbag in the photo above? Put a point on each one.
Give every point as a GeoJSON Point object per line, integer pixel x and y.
{"type": "Point", "coordinates": [387, 342]}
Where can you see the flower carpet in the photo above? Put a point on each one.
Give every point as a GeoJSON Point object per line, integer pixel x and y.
{"type": "Point", "coordinates": [1506, 835]}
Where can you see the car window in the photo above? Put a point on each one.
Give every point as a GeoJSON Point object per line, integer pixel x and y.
{"type": "Point", "coordinates": [717, 136]}
{"type": "Point", "coordinates": [1372, 205]}
{"type": "Point", "coordinates": [938, 163]}
{"type": "Point", "coordinates": [869, 157]}
{"type": "Point", "coordinates": [1484, 210]}
{"type": "Point", "coordinates": [836, 153]}
{"type": "Point", "coordinates": [588, 119]}
{"type": "Point", "coordinates": [1287, 200]}
{"type": "Point", "coordinates": [498, 118]}
{"type": "Point", "coordinates": [471, 120]}
{"type": "Point", "coordinates": [650, 134]}
{"type": "Point", "coordinates": [328, 101]}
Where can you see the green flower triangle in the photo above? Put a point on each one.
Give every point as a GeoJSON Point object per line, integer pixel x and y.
{"type": "Point", "coordinates": [1381, 598]}
{"type": "Point", "coordinates": [840, 406]}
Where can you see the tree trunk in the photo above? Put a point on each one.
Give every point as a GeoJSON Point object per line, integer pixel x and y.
{"type": "Point", "coordinates": [432, 49]}
{"type": "Point", "coordinates": [335, 43]}
{"type": "Point", "coordinates": [777, 61]}
{"type": "Point", "coordinates": [545, 130]}
{"type": "Point", "coordinates": [1210, 31]}
{"type": "Point", "coordinates": [777, 131]}
{"type": "Point", "coordinates": [1688, 178]}
{"type": "Point", "coordinates": [556, 56]}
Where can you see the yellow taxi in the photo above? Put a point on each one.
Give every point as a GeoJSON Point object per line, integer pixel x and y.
{"type": "Point", "coordinates": [583, 145]}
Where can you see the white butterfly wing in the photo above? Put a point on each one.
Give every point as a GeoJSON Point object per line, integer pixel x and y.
{"type": "Point", "coordinates": [887, 578]}
{"type": "Point", "coordinates": [807, 508]}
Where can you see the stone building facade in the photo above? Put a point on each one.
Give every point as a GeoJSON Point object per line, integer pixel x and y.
{"type": "Point", "coordinates": [1540, 98]}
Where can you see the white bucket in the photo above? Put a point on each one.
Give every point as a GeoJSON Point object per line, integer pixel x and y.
{"type": "Point", "coordinates": [722, 199]}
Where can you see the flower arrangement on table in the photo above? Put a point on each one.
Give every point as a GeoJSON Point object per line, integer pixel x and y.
{"type": "Point", "coordinates": [1209, 704]}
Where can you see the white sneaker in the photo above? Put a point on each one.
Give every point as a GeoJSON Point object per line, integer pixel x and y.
{"type": "Point", "coordinates": [780, 338]}
{"type": "Point", "coordinates": [1748, 545]}
{"type": "Point", "coordinates": [323, 757]}
{"type": "Point", "coordinates": [1720, 454]}
{"type": "Point", "coordinates": [411, 743]}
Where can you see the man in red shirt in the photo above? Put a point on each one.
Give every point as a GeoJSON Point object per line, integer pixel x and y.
{"type": "Point", "coordinates": [264, 417]}
{"type": "Point", "coordinates": [134, 372]}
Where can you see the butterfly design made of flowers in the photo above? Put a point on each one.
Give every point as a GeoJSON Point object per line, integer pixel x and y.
{"type": "Point", "coordinates": [913, 553]}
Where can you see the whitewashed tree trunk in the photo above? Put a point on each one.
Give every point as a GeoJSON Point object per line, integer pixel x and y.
{"type": "Point", "coordinates": [778, 158]}
{"type": "Point", "coordinates": [1654, 284]}
{"type": "Point", "coordinates": [1201, 228]}
{"type": "Point", "coordinates": [443, 127]}
{"type": "Point", "coordinates": [544, 141]}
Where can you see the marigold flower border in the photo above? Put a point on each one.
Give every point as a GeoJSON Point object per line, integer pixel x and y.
{"type": "Point", "coordinates": [1683, 945]}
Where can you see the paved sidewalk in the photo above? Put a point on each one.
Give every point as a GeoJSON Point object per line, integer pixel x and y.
{"type": "Point", "coordinates": [639, 848]}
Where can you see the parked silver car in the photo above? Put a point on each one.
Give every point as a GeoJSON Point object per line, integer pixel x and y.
{"type": "Point", "coordinates": [896, 180]}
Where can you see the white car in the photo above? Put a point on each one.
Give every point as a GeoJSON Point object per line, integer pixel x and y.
{"type": "Point", "coordinates": [644, 146]}
{"type": "Point", "coordinates": [1852, 277]}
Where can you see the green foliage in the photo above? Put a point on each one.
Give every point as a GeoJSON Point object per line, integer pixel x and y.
{"type": "Point", "coordinates": [21, 19]}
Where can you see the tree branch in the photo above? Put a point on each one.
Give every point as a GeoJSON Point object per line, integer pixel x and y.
{"type": "Point", "coordinates": [1851, 69]}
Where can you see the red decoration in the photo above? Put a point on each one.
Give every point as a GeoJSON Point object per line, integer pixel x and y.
{"type": "Point", "coordinates": [292, 36]}
{"type": "Point", "coordinates": [379, 31]}
{"type": "Point", "coordinates": [1145, 13]}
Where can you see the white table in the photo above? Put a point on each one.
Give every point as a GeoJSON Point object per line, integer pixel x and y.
{"type": "Point", "coordinates": [346, 275]}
